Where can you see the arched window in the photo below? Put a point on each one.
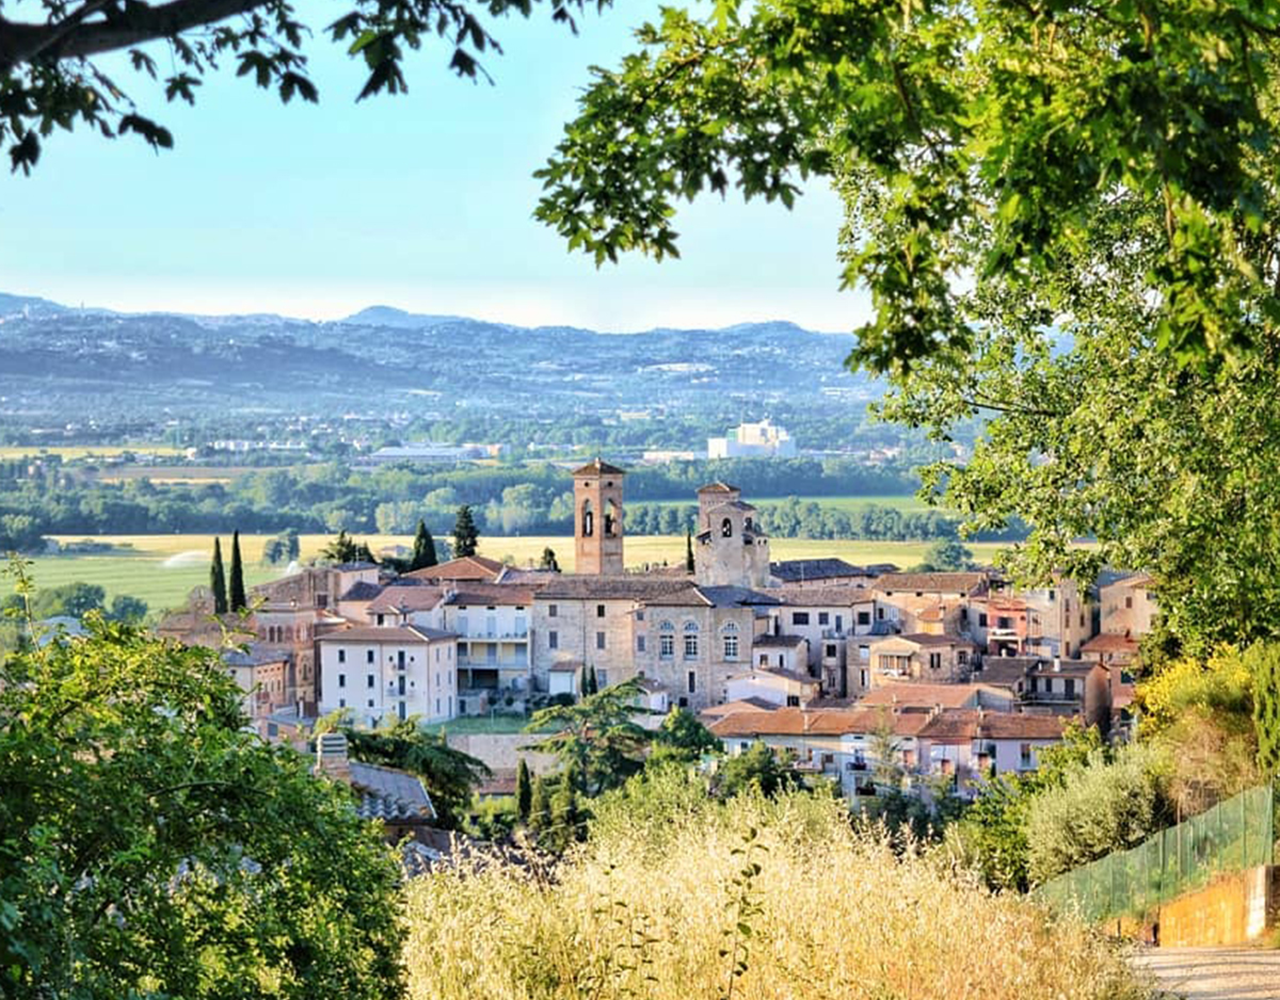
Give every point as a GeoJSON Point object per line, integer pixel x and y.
{"type": "Point", "coordinates": [611, 518]}
{"type": "Point", "coordinates": [588, 519]}
{"type": "Point", "coordinates": [726, 528]}
{"type": "Point", "coordinates": [666, 640]}
{"type": "Point", "coordinates": [690, 640]}
{"type": "Point", "coordinates": [747, 524]}
{"type": "Point", "coordinates": [730, 639]}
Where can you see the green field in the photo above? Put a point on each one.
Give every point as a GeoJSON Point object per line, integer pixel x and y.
{"type": "Point", "coordinates": [906, 504]}
{"type": "Point", "coordinates": [162, 569]}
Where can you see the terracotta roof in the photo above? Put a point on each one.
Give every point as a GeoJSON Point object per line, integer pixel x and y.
{"type": "Point", "coordinates": [909, 694]}
{"type": "Point", "coordinates": [599, 467]}
{"type": "Point", "coordinates": [387, 633]}
{"type": "Point", "coordinates": [957, 583]}
{"type": "Point", "coordinates": [1137, 580]}
{"type": "Point", "coordinates": [464, 568]}
{"type": "Point", "coordinates": [628, 586]}
{"type": "Point", "coordinates": [752, 704]}
{"type": "Point", "coordinates": [719, 486]}
{"type": "Point", "coordinates": [962, 725]}
{"type": "Point", "coordinates": [792, 570]}
{"type": "Point", "coordinates": [933, 613]}
{"type": "Point", "coordinates": [492, 593]}
{"type": "Point", "coordinates": [1111, 642]}
{"type": "Point", "coordinates": [566, 667]}
{"type": "Point", "coordinates": [819, 722]}
{"type": "Point", "coordinates": [393, 598]}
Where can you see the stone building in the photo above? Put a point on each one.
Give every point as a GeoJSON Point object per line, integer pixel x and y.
{"type": "Point", "coordinates": [730, 548]}
{"type": "Point", "coordinates": [597, 504]}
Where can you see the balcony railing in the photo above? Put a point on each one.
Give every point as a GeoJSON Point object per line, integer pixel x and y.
{"type": "Point", "coordinates": [509, 636]}
{"type": "Point", "coordinates": [468, 664]}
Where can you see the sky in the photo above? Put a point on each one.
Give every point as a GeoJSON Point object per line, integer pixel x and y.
{"type": "Point", "coordinates": [421, 201]}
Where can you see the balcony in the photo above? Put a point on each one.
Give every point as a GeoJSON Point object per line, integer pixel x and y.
{"type": "Point", "coordinates": [467, 663]}
{"type": "Point", "coordinates": [472, 635]}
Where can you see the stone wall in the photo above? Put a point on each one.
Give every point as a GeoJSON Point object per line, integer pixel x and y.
{"type": "Point", "coordinates": [501, 751]}
{"type": "Point", "coordinates": [1234, 909]}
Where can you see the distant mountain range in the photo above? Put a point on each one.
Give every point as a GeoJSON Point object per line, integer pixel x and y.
{"type": "Point", "coordinates": [64, 363]}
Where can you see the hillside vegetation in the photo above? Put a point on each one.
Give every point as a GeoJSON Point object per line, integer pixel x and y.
{"type": "Point", "coordinates": [683, 900]}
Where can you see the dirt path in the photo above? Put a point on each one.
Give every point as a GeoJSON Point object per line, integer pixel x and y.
{"type": "Point", "coordinates": [1215, 973]}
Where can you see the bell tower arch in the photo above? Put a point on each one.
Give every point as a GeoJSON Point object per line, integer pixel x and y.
{"type": "Point", "coordinates": [597, 521]}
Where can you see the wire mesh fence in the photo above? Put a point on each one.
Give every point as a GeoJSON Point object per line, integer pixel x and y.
{"type": "Point", "coordinates": [1236, 834]}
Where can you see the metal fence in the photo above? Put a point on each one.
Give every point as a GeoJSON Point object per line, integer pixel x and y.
{"type": "Point", "coordinates": [1236, 834]}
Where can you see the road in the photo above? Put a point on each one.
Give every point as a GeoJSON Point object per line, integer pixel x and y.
{"type": "Point", "coordinates": [1215, 973]}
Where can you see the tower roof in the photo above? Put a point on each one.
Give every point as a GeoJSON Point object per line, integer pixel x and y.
{"type": "Point", "coordinates": [599, 467]}
{"type": "Point", "coordinates": [719, 486]}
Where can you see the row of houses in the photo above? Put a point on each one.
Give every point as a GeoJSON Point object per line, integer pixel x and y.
{"type": "Point", "coordinates": [782, 636]}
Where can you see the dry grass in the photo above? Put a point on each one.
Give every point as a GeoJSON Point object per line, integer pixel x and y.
{"type": "Point", "coordinates": [652, 909]}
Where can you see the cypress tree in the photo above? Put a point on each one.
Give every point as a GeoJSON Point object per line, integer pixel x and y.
{"type": "Point", "coordinates": [593, 685]}
{"type": "Point", "coordinates": [424, 548]}
{"type": "Point", "coordinates": [1263, 662]}
{"type": "Point", "coordinates": [465, 536]}
{"type": "Point", "coordinates": [688, 550]}
{"type": "Point", "coordinates": [583, 683]}
{"type": "Point", "coordinates": [539, 807]}
{"type": "Point", "coordinates": [218, 580]}
{"type": "Point", "coordinates": [236, 590]}
{"type": "Point", "coordinates": [524, 792]}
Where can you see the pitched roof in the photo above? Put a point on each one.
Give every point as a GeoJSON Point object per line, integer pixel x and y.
{"type": "Point", "coordinates": [962, 725]}
{"type": "Point", "coordinates": [599, 467]}
{"type": "Point", "coordinates": [254, 654]}
{"type": "Point", "coordinates": [492, 593]}
{"type": "Point", "coordinates": [362, 590]}
{"type": "Point", "coordinates": [793, 570]}
{"type": "Point", "coordinates": [386, 633]}
{"type": "Point", "coordinates": [388, 794]}
{"type": "Point", "coordinates": [910, 694]}
{"type": "Point", "coordinates": [1111, 642]}
{"type": "Point", "coordinates": [629, 586]}
{"type": "Point", "coordinates": [786, 675]}
{"type": "Point", "coordinates": [814, 722]}
{"type": "Point", "coordinates": [463, 568]}
{"type": "Point", "coordinates": [396, 598]}
{"type": "Point", "coordinates": [719, 486]}
{"type": "Point", "coordinates": [752, 704]}
{"type": "Point", "coordinates": [927, 639]}
{"type": "Point", "coordinates": [778, 641]}
{"type": "Point", "coordinates": [731, 505]}
{"type": "Point", "coordinates": [958, 583]}
{"type": "Point", "coordinates": [822, 597]}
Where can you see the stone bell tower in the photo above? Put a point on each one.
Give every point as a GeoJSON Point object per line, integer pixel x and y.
{"type": "Point", "coordinates": [597, 525]}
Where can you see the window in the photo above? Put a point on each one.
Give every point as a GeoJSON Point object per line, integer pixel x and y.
{"type": "Point", "coordinates": [368, 656]}
{"type": "Point", "coordinates": [793, 701]}
{"type": "Point", "coordinates": [823, 618]}
{"type": "Point", "coordinates": [864, 653]}
{"type": "Point", "coordinates": [400, 658]}
{"type": "Point", "coordinates": [588, 520]}
{"type": "Point", "coordinates": [726, 528]}
{"type": "Point", "coordinates": [1003, 622]}
{"type": "Point", "coordinates": [371, 703]}
{"type": "Point", "coordinates": [730, 647]}
{"type": "Point", "coordinates": [830, 651]}
{"type": "Point", "coordinates": [879, 614]}
{"type": "Point", "coordinates": [342, 702]}
{"type": "Point", "coordinates": [342, 656]}
{"type": "Point", "coordinates": [1051, 595]}
{"type": "Point", "coordinates": [369, 680]}
{"type": "Point", "coordinates": [935, 661]}
{"type": "Point", "coordinates": [640, 615]}
{"type": "Point", "coordinates": [1128, 603]}
{"type": "Point", "coordinates": [382, 619]}
{"type": "Point", "coordinates": [639, 644]}
{"type": "Point", "coordinates": [962, 656]}
{"type": "Point", "coordinates": [602, 678]}
{"type": "Point", "coordinates": [1070, 687]}
{"type": "Point", "coordinates": [690, 640]}
{"type": "Point", "coordinates": [322, 600]}
{"type": "Point", "coordinates": [864, 617]}
{"type": "Point", "coordinates": [799, 618]}
{"type": "Point", "coordinates": [342, 680]}
{"type": "Point", "coordinates": [666, 646]}
{"type": "Point", "coordinates": [1024, 756]}
{"type": "Point", "coordinates": [964, 616]}
{"type": "Point", "coordinates": [599, 610]}
{"type": "Point", "coordinates": [437, 706]}
{"type": "Point", "coordinates": [552, 610]}
{"type": "Point", "coordinates": [982, 619]}
{"type": "Point", "coordinates": [553, 640]}
{"type": "Point", "coordinates": [599, 640]}
{"type": "Point", "coordinates": [693, 682]}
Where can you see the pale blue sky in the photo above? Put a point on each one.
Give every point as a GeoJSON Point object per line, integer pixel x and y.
{"type": "Point", "coordinates": [421, 201]}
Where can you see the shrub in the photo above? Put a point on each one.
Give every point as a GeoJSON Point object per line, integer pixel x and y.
{"type": "Point", "coordinates": [753, 899]}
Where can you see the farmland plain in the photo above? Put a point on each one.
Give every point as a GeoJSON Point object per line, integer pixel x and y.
{"type": "Point", "coordinates": [162, 569]}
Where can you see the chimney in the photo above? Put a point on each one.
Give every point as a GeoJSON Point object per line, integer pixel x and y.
{"type": "Point", "coordinates": [331, 756]}
{"type": "Point", "coordinates": [1057, 664]}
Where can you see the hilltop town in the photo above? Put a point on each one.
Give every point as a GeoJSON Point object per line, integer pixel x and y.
{"type": "Point", "coordinates": [816, 658]}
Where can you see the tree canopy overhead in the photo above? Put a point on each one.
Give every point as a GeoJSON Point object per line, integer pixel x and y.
{"type": "Point", "coordinates": [52, 74]}
{"type": "Point", "coordinates": [988, 133]}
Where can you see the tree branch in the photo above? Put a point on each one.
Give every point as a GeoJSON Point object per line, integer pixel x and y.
{"type": "Point", "coordinates": [72, 38]}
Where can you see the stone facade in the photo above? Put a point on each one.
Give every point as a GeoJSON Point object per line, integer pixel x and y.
{"type": "Point", "coordinates": [730, 550]}
{"type": "Point", "coordinates": [597, 504]}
